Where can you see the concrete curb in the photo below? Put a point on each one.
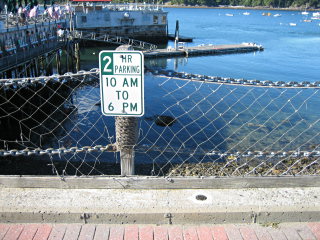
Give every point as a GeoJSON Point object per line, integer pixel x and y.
{"type": "Point", "coordinates": [161, 218]}
{"type": "Point", "coordinates": [140, 182]}
{"type": "Point", "coordinates": [155, 206]}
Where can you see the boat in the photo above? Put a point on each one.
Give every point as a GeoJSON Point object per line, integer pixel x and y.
{"type": "Point", "coordinates": [267, 14]}
{"type": "Point", "coordinates": [316, 16]}
{"type": "Point", "coordinates": [293, 24]}
{"type": "Point", "coordinates": [229, 14]}
{"type": "Point", "coordinates": [277, 15]}
{"type": "Point", "coordinates": [305, 11]}
{"type": "Point", "coordinates": [306, 19]}
{"type": "Point", "coordinates": [246, 13]}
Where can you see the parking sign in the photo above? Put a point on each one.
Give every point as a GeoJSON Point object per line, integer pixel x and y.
{"type": "Point", "coordinates": [122, 83]}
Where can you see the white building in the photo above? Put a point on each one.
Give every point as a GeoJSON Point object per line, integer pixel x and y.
{"type": "Point", "coordinates": [136, 21]}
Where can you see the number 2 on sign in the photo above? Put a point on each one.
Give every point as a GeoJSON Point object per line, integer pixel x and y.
{"type": "Point", "coordinates": [108, 59]}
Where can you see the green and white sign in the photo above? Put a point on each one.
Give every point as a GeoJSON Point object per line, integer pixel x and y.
{"type": "Point", "coordinates": [122, 83]}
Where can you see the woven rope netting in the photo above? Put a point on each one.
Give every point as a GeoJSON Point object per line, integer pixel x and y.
{"type": "Point", "coordinates": [193, 126]}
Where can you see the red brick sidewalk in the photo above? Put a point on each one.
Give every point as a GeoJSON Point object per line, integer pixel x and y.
{"type": "Point", "coordinates": [287, 231]}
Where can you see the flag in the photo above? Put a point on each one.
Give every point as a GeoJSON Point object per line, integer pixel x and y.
{"type": "Point", "coordinates": [26, 9]}
{"type": "Point", "coordinates": [57, 12]}
{"type": "Point", "coordinates": [33, 12]}
{"type": "Point", "coordinates": [20, 10]}
{"type": "Point", "coordinates": [50, 11]}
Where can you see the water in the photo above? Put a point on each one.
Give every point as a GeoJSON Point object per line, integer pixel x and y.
{"type": "Point", "coordinates": [291, 52]}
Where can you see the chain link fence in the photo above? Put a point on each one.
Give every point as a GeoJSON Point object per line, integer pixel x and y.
{"type": "Point", "coordinates": [194, 125]}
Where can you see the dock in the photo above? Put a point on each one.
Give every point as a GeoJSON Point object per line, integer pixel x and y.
{"type": "Point", "coordinates": [204, 50]}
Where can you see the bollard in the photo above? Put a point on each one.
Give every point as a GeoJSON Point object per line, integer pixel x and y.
{"type": "Point", "coordinates": [126, 135]}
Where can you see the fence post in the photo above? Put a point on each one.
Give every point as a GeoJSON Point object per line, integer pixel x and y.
{"type": "Point", "coordinates": [126, 138]}
{"type": "Point", "coordinates": [126, 135]}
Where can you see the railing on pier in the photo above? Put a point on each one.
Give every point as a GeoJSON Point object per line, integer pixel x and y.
{"type": "Point", "coordinates": [127, 7]}
{"type": "Point", "coordinates": [22, 42]}
{"type": "Point", "coordinates": [194, 125]}
{"type": "Point", "coordinates": [102, 37]}
{"type": "Point", "coordinates": [30, 52]}
{"type": "Point", "coordinates": [15, 22]}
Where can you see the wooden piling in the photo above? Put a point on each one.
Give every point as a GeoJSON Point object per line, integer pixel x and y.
{"type": "Point", "coordinates": [48, 64]}
{"type": "Point", "coordinates": [9, 74]}
{"type": "Point", "coordinates": [27, 70]}
{"type": "Point", "coordinates": [20, 71]}
{"type": "Point", "coordinates": [58, 61]}
{"type": "Point", "coordinates": [77, 55]}
{"type": "Point", "coordinates": [36, 66]}
{"type": "Point", "coordinates": [32, 72]}
{"type": "Point", "coordinates": [16, 72]}
{"type": "Point", "coordinates": [67, 57]}
{"type": "Point", "coordinates": [50, 70]}
{"type": "Point", "coordinates": [41, 63]}
{"type": "Point", "coordinates": [72, 52]}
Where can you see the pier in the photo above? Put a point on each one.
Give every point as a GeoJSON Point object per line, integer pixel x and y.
{"type": "Point", "coordinates": [26, 49]}
{"type": "Point", "coordinates": [210, 49]}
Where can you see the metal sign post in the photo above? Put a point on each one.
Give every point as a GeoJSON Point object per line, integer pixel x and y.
{"type": "Point", "coordinates": [122, 83]}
